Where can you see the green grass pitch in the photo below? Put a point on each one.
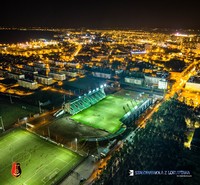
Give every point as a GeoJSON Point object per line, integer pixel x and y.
{"type": "Point", "coordinates": [41, 161]}
{"type": "Point", "coordinates": [106, 114]}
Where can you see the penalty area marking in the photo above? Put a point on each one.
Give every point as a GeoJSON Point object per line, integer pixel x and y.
{"type": "Point", "coordinates": [51, 175]}
{"type": "Point", "coordinates": [70, 162]}
{"type": "Point", "coordinates": [42, 167]}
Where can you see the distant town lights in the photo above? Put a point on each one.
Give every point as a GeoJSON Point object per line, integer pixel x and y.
{"type": "Point", "coordinates": [181, 35]}
{"type": "Point", "coordinates": [138, 52]}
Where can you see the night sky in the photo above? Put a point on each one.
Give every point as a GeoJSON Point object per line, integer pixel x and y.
{"type": "Point", "coordinates": [100, 14]}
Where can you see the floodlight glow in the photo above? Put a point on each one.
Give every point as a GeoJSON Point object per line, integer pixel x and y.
{"type": "Point", "coordinates": [79, 97]}
{"type": "Point", "coordinates": [101, 86]}
{"type": "Point", "coordinates": [97, 88]}
{"type": "Point", "coordinates": [104, 85]}
{"type": "Point", "coordinates": [89, 92]}
{"type": "Point", "coordinates": [93, 90]}
{"type": "Point", "coordinates": [181, 35]}
{"type": "Point", "coordinates": [138, 52]}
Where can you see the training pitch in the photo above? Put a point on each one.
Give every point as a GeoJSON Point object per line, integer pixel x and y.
{"type": "Point", "coordinates": [106, 114]}
{"type": "Point", "coordinates": [42, 162]}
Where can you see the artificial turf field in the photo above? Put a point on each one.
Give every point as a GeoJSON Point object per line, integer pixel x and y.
{"type": "Point", "coordinates": [42, 162]}
{"type": "Point", "coordinates": [106, 114]}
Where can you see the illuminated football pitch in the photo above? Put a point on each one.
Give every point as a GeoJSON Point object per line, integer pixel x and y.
{"type": "Point", "coordinates": [41, 161]}
{"type": "Point", "coordinates": [106, 114]}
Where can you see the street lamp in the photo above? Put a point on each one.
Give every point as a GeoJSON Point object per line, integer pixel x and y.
{"type": "Point", "coordinates": [49, 133]}
{"type": "Point", "coordinates": [39, 107]}
{"type": "Point", "coordinates": [11, 99]}
{"type": "Point", "coordinates": [2, 124]}
{"type": "Point", "coordinates": [25, 119]}
{"type": "Point", "coordinates": [76, 143]}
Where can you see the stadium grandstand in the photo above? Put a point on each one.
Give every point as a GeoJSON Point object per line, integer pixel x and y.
{"type": "Point", "coordinates": [85, 101]}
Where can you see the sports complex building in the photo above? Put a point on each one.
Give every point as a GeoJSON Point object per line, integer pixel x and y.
{"type": "Point", "coordinates": [111, 113]}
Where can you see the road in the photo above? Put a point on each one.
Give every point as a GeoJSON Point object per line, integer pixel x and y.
{"type": "Point", "coordinates": [185, 75]}
{"type": "Point", "coordinates": [78, 49]}
{"type": "Point", "coordinates": [141, 122]}
{"type": "Point", "coordinates": [102, 163]}
{"type": "Point", "coordinates": [39, 119]}
{"type": "Point", "coordinates": [57, 90]}
{"type": "Point", "coordinates": [179, 84]}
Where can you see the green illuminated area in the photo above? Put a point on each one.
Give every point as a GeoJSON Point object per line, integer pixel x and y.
{"type": "Point", "coordinates": [106, 114]}
{"type": "Point", "coordinates": [41, 161]}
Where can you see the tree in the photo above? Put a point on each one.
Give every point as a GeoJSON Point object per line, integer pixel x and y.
{"type": "Point", "coordinates": [116, 64]}
{"type": "Point", "coordinates": [175, 65]}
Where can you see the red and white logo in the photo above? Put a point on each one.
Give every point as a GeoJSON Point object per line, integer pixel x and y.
{"type": "Point", "coordinates": [16, 169]}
